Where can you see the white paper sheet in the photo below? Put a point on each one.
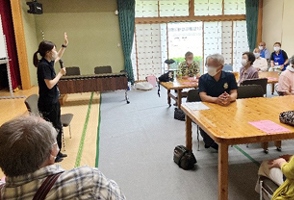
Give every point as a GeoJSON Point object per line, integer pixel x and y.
{"type": "Point", "coordinates": [196, 106]}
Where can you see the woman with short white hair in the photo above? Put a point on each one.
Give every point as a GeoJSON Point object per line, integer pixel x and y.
{"type": "Point", "coordinates": [28, 149]}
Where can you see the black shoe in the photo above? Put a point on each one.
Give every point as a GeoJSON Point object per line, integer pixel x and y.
{"type": "Point", "coordinates": [206, 146]}
{"type": "Point", "coordinates": [58, 159]}
{"type": "Point", "coordinates": [279, 148]}
{"type": "Point", "coordinates": [62, 155]}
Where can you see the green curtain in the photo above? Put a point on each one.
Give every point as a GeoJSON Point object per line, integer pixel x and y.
{"type": "Point", "coordinates": [126, 15]}
{"type": "Point", "coordinates": [251, 22]}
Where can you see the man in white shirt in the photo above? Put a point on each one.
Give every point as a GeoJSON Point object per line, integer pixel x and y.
{"type": "Point", "coordinates": [260, 63]}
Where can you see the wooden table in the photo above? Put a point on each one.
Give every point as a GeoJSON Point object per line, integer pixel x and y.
{"type": "Point", "coordinates": [178, 85]}
{"type": "Point", "coordinates": [272, 78]}
{"type": "Point", "coordinates": [229, 125]}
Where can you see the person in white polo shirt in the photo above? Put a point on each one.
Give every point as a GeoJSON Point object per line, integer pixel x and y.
{"type": "Point", "coordinates": [260, 63]}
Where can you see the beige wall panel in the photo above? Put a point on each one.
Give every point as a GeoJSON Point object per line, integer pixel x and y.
{"type": "Point", "coordinates": [93, 32]}
{"type": "Point", "coordinates": [272, 22]}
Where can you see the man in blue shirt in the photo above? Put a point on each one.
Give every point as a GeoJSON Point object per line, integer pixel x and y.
{"type": "Point", "coordinates": [264, 53]}
{"type": "Point", "coordinates": [216, 86]}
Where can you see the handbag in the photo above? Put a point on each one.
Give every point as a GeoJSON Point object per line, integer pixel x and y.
{"type": "Point", "coordinates": [166, 77]}
{"type": "Point", "coordinates": [184, 158]}
{"type": "Point", "coordinates": [179, 114]}
{"type": "Point", "coordinates": [287, 117]}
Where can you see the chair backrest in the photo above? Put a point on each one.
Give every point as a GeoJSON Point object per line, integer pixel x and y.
{"type": "Point", "coordinates": [259, 81]}
{"type": "Point", "coordinates": [193, 96]}
{"type": "Point", "coordinates": [249, 91]}
{"type": "Point", "coordinates": [31, 103]}
{"type": "Point", "coordinates": [102, 70]}
{"type": "Point", "coordinates": [71, 71]}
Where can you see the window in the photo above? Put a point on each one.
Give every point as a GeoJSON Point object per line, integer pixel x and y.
{"type": "Point", "coordinates": [151, 50]}
{"type": "Point", "coordinates": [173, 8]}
{"type": "Point", "coordinates": [234, 7]}
{"type": "Point", "coordinates": [170, 8]}
{"type": "Point", "coordinates": [146, 9]}
{"type": "Point", "coordinates": [169, 28]}
{"type": "Point", "coordinates": [183, 37]}
{"type": "Point", "coordinates": [207, 7]}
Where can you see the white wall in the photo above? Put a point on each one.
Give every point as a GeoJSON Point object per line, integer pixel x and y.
{"type": "Point", "coordinates": [277, 24]}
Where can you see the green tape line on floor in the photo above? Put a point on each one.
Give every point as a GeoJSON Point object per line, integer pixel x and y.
{"type": "Point", "coordinates": [247, 155]}
{"type": "Point", "coordinates": [82, 141]}
{"type": "Point", "coordinates": [98, 134]}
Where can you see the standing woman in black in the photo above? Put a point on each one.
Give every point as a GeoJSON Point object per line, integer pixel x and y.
{"type": "Point", "coordinates": [48, 103]}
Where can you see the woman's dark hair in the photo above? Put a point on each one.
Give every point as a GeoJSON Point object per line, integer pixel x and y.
{"type": "Point", "coordinates": [251, 57]}
{"type": "Point", "coordinates": [44, 47]}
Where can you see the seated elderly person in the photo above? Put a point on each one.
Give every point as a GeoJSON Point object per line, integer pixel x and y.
{"type": "Point", "coordinates": [286, 80]}
{"type": "Point", "coordinates": [188, 68]}
{"type": "Point", "coordinates": [279, 58]}
{"type": "Point", "coordinates": [247, 71]}
{"type": "Point", "coordinates": [280, 171]}
{"type": "Point", "coordinates": [216, 86]}
{"type": "Point", "coordinates": [264, 53]}
{"type": "Point", "coordinates": [260, 63]}
{"type": "Point", "coordinates": [28, 149]}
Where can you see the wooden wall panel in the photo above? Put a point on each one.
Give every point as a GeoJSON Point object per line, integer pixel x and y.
{"type": "Point", "coordinates": [20, 43]}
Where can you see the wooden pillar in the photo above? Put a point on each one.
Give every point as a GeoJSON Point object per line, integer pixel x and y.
{"type": "Point", "coordinates": [191, 8]}
{"type": "Point", "coordinates": [16, 10]}
{"type": "Point", "coordinates": [259, 22]}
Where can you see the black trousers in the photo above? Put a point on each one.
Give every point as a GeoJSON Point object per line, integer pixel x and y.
{"type": "Point", "coordinates": [51, 113]}
{"type": "Point", "coordinates": [206, 138]}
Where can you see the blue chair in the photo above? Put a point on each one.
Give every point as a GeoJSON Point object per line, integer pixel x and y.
{"type": "Point", "coordinates": [228, 68]}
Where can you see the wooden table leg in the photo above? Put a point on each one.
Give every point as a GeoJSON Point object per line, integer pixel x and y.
{"type": "Point", "coordinates": [273, 88]}
{"type": "Point", "coordinates": [168, 98]}
{"type": "Point", "coordinates": [264, 145]}
{"type": "Point", "coordinates": [223, 172]}
{"type": "Point", "coordinates": [188, 133]}
{"type": "Point", "coordinates": [278, 144]}
{"type": "Point", "coordinates": [179, 99]}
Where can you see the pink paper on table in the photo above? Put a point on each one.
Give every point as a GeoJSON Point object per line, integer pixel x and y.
{"type": "Point", "coordinates": [193, 79]}
{"type": "Point", "coordinates": [272, 78]}
{"type": "Point", "coordinates": [269, 127]}
{"type": "Point", "coordinates": [189, 83]}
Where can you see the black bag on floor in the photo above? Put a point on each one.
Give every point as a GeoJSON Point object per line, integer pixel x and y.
{"type": "Point", "coordinates": [184, 158]}
{"type": "Point", "coordinates": [179, 114]}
